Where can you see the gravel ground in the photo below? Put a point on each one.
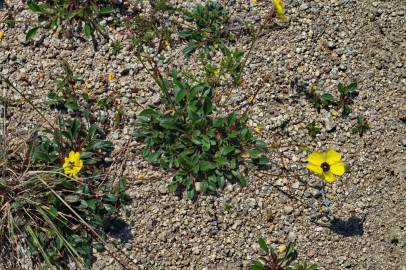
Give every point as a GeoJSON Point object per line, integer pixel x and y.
{"type": "Point", "coordinates": [324, 43]}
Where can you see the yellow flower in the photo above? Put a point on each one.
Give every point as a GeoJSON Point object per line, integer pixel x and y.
{"type": "Point", "coordinates": [73, 164]}
{"type": "Point", "coordinates": [1, 35]}
{"type": "Point", "coordinates": [326, 164]}
{"type": "Point", "coordinates": [279, 9]}
{"type": "Point", "coordinates": [110, 77]}
{"type": "Point", "coordinates": [216, 72]}
{"type": "Point", "coordinates": [166, 44]}
{"type": "Point", "coordinates": [257, 129]}
{"type": "Point", "coordinates": [254, 2]}
{"type": "Point", "coordinates": [281, 248]}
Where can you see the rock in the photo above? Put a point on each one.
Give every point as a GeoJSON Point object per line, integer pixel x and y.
{"type": "Point", "coordinates": [291, 237]}
{"type": "Point", "coordinates": [329, 124]}
{"type": "Point", "coordinates": [288, 210]}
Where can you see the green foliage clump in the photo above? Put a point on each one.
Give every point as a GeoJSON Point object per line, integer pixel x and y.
{"type": "Point", "coordinates": [347, 93]}
{"type": "Point", "coordinates": [313, 129]}
{"type": "Point", "coordinates": [68, 14]}
{"type": "Point", "coordinates": [208, 22]}
{"type": "Point", "coordinates": [206, 34]}
{"type": "Point", "coordinates": [361, 127]}
{"type": "Point", "coordinates": [204, 149]}
{"type": "Point", "coordinates": [274, 262]}
{"type": "Point", "coordinates": [319, 101]}
{"type": "Point", "coordinates": [344, 102]}
{"type": "Point", "coordinates": [62, 218]}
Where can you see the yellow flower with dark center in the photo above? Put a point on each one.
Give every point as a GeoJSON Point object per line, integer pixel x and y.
{"type": "Point", "coordinates": [73, 164]}
{"type": "Point", "coordinates": [279, 9]}
{"type": "Point", "coordinates": [326, 164]}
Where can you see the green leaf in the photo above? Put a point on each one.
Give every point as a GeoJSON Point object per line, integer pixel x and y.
{"type": "Point", "coordinates": [34, 6]}
{"type": "Point", "coordinates": [206, 166]}
{"type": "Point", "coordinates": [261, 161]}
{"type": "Point", "coordinates": [207, 106]}
{"type": "Point", "coordinates": [352, 87]}
{"type": "Point", "coordinates": [327, 98]}
{"type": "Point", "coordinates": [72, 104]}
{"type": "Point", "coordinates": [257, 265]}
{"type": "Point", "coordinates": [168, 123]}
{"type": "Point", "coordinates": [172, 187]}
{"type": "Point", "coordinates": [75, 127]}
{"type": "Point", "coordinates": [31, 33]}
{"type": "Point", "coordinates": [86, 155]}
{"type": "Point", "coordinates": [232, 118]}
{"type": "Point", "coordinates": [53, 211]}
{"type": "Point", "coordinates": [191, 47]}
{"type": "Point", "coordinates": [100, 144]}
{"type": "Point", "coordinates": [261, 144]}
{"type": "Point", "coordinates": [179, 94]}
{"type": "Point", "coordinates": [92, 129]}
{"type": "Point", "coordinates": [254, 152]}
{"type": "Point", "coordinates": [263, 245]}
{"type": "Point", "coordinates": [110, 198]}
{"type": "Point", "coordinates": [290, 250]}
{"type": "Point", "coordinates": [105, 10]}
{"type": "Point", "coordinates": [227, 150]}
{"type": "Point", "coordinates": [88, 30]}
{"type": "Point", "coordinates": [149, 113]}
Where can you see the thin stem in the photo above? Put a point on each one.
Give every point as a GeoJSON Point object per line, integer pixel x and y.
{"type": "Point", "coordinates": [27, 100]}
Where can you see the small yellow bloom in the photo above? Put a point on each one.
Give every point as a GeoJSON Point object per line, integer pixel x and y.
{"type": "Point", "coordinates": [254, 2]}
{"type": "Point", "coordinates": [245, 155]}
{"type": "Point", "coordinates": [1, 35]}
{"type": "Point", "coordinates": [279, 9]}
{"type": "Point", "coordinates": [282, 248]}
{"type": "Point", "coordinates": [326, 164]}
{"type": "Point", "coordinates": [110, 77]}
{"type": "Point", "coordinates": [166, 44]}
{"type": "Point", "coordinates": [257, 129]}
{"type": "Point", "coordinates": [73, 164]}
{"type": "Point", "coordinates": [216, 72]}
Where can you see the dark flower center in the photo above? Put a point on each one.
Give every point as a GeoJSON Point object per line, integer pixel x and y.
{"type": "Point", "coordinates": [325, 166]}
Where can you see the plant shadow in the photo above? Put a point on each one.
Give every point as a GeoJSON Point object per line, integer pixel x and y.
{"type": "Point", "coordinates": [118, 229]}
{"type": "Point", "coordinates": [351, 227]}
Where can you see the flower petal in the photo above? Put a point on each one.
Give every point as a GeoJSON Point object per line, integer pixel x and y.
{"type": "Point", "coordinates": [328, 177]}
{"type": "Point", "coordinates": [315, 168]}
{"type": "Point", "coordinates": [315, 158]}
{"type": "Point", "coordinates": [337, 168]}
{"type": "Point", "coordinates": [279, 9]}
{"type": "Point", "coordinates": [71, 155]}
{"type": "Point", "coordinates": [332, 156]}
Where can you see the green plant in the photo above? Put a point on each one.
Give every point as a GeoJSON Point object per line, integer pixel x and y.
{"type": "Point", "coordinates": [273, 262]}
{"type": "Point", "coordinates": [147, 28]}
{"type": "Point", "coordinates": [347, 93]}
{"type": "Point", "coordinates": [61, 218]}
{"type": "Point", "coordinates": [313, 129]}
{"type": "Point", "coordinates": [206, 33]}
{"type": "Point", "coordinates": [319, 101]}
{"type": "Point", "coordinates": [205, 150]}
{"type": "Point", "coordinates": [116, 47]}
{"type": "Point", "coordinates": [361, 127]}
{"type": "Point", "coordinates": [69, 14]}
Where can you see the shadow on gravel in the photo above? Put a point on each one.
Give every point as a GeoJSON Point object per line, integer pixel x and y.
{"type": "Point", "coordinates": [351, 227]}
{"type": "Point", "coordinates": [118, 229]}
